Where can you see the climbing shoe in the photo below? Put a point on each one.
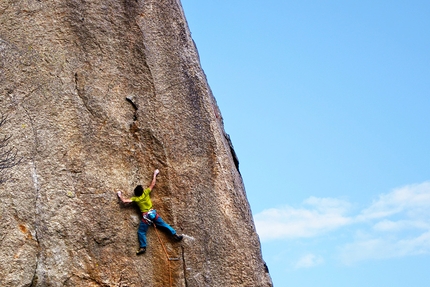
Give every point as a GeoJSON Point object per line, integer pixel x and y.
{"type": "Point", "coordinates": [141, 250]}
{"type": "Point", "coordinates": [177, 237]}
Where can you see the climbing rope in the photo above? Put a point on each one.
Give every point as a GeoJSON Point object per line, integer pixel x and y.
{"type": "Point", "coordinates": [167, 255]}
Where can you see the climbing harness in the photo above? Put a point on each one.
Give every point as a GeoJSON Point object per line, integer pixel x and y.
{"type": "Point", "coordinates": [149, 216]}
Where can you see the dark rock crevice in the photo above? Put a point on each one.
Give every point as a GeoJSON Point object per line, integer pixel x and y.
{"type": "Point", "coordinates": [80, 89]}
{"type": "Point", "coordinates": [232, 151]}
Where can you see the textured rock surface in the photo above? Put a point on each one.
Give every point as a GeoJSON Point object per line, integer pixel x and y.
{"type": "Point", "coordinates": [99, 93]}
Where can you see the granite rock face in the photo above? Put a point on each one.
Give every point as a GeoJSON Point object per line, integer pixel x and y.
{"type": "Point", "coordinates": [98, 94]}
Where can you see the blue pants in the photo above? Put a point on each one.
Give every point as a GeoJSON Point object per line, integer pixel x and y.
{"type": "Point", "coordinates": [143, 228]}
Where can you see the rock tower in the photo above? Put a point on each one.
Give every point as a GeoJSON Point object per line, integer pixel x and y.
{"type": "Point", "coordinates": [98, 94]}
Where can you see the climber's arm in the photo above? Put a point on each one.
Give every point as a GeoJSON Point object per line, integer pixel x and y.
{"type": "Point", "coordinates": [154, 179]}
{"type": "Point", "coordinates": [122, 198]}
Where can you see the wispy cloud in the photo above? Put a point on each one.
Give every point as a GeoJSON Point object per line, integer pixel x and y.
{"type": "Point", "coordinates": [384, 248]}
{"type": "Point", "coordinates": [324, 214]}
{"type": "Point", "coordinates": [401, 225]}
{"type": "Point", "coordinates": [395, 224]}
{"type": "Point", "coordinates": [413, 199]}
{"type": "Point", "coordinates": [309, 260]}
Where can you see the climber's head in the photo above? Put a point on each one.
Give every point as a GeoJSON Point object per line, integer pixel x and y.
{"type": "Point", "coordinates": [138, 191]}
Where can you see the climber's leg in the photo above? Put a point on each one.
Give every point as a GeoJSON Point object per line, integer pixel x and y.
{"type": "Point", "coordinates": [141, 233]}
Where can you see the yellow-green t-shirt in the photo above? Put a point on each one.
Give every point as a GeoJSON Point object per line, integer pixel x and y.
{"type": "Point", "coordinates": [143, 201]}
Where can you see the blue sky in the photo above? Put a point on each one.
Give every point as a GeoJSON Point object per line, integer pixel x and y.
{"type": "Point", "coordinates": [328, 107]}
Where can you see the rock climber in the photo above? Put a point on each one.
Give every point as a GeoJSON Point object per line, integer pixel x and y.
{"type": "Point", "coordinates": [149, 215]}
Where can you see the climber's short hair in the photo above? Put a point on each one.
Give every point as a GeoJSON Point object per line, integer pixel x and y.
{"type": "Point", "coordinates": [138, 191]}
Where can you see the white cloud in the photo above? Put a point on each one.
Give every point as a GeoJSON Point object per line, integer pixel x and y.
{"type": "Point", "coordinates": [288, 222]}
{"type": "Point", "coordinates": [412, 198]}
{"type": "Point", "coordinates": [395, 224]}
{"type": "Point", "coordinates": [384, 248]}
{"type": "Point", "coordinates": [309, 260]}
{"type": "Point", "coordinates": [329, 205]}
{"type": "Point", "coordinates": [400, 225]}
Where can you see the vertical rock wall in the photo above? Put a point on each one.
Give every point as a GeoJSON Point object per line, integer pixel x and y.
{"type": "Point", "coordinates": [100, 93]}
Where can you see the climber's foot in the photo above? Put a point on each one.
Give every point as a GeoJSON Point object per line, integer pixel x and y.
{"type": "Point", "coordinates": [177, 237]}
{"type": "Point", "coordinates": [141, 250]}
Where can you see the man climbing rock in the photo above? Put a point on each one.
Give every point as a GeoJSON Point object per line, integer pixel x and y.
{"type": "Point", "coordinates": [149, 215]}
